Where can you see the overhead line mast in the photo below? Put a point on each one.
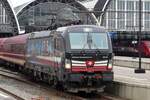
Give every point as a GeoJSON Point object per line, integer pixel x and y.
{"type": "Point", "coordinates": [140, 70]}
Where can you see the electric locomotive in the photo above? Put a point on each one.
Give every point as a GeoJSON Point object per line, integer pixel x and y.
{"type": "Point", "coordinates": [77, 58]}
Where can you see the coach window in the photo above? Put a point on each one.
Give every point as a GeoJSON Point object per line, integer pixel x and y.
{"type": "Point", "coordinates": [13, 48]}
{"type": "Point", "coordinates": [21, 46]}
{"type": "Point", "coordinates": [8, 48]}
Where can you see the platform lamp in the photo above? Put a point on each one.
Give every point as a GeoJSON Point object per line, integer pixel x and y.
{"type": "Point", "coordinates": [139, 69]}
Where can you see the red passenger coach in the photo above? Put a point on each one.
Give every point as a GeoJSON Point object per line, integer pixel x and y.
{"type": "Point", "coordinates": [145, 46]}
{"type": "Point", "coordinates": [77, 58]}
{"type": "Point", "coordinates": [2, 40]}
{"type": "Point", "coordinates": [13, 49]}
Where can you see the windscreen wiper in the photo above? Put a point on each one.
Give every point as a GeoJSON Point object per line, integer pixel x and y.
{"type": "Point", "coordinates": [89, 40]}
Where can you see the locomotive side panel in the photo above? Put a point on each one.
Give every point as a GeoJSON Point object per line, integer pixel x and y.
{"type": "Point", "coordinates": [44, 55]}
{"type": "Point", "coordinates": [40, 54]}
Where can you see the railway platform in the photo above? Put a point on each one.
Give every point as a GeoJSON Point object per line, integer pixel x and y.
{"type": "Point", "coordinates": [131, 62]}
{"type": "Point", "coordinates": [130, 85]}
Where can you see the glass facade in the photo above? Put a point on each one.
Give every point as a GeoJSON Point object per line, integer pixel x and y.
{"type": "Point", "coordinates": [147, 15]}
{"type": "Point", "coordinates": [124, 19]}
{"type": "Point", "coordinates": [4, 20]}
{"type": "Point", "coordinates": [46, 14]}
{"type": "Point", "coordinates": [8, 24]}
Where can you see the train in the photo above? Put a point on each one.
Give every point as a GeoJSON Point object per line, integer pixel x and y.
{"type": "Point", "coordinates": [126, 44]}
{"type": "Point", "coordinates": [77, 57]}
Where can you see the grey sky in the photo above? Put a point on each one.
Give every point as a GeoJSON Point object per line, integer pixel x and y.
{"type": "Point", "coordinates": [18, 2]}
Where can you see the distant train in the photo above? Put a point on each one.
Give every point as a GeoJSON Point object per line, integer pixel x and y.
{"type": "Point", "coordinates": [77, 58]}
{"type": "Point", "coordinates": [126, 44]}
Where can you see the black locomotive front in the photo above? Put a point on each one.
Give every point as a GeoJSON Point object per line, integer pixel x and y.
{"type": "Point", "coordinates": [88, 59]}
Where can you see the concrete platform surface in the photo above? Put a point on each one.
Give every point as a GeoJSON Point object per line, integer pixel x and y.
{"type": "Point", "coordinates": [131, 62]}
{"type": "Point", "coordinates": [129, 85]}
{"type": "Point", "coordinates": [127, 75]}
{"type": "Point", "coordinates": [145, 60]}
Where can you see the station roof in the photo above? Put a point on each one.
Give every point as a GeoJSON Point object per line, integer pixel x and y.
{"type": "Point", "coordinates": [24, 6]}
{"type": "Point", "coordinates": [101, 5]}
{"type": "Point", "coordinates": [60, 14]}
{"type": "Point", "coordinates": [96, 5]}
{"type": "Point", "coordinates": [90, 4]}
{"type": "Point", "coordinates": [19, 8]}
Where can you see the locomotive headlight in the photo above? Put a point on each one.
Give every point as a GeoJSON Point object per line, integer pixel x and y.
{"type": "Point", "coordinates": [110, 65]}
{"type": "Point", "coordinates": [67, 64]}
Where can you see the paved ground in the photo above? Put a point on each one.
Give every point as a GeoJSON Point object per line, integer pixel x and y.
{"type": "Point", "coordinates": [127, 75]}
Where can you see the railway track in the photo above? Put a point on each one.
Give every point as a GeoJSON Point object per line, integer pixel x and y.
{"type": "Point", "coordinates": [69, 96]}
{"type": "Point", "coordinates": [102, 96]}
{"type": "Point", "coordinates": [11, 94]}
{"type": "Point", "coordinates": [23, 79]}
